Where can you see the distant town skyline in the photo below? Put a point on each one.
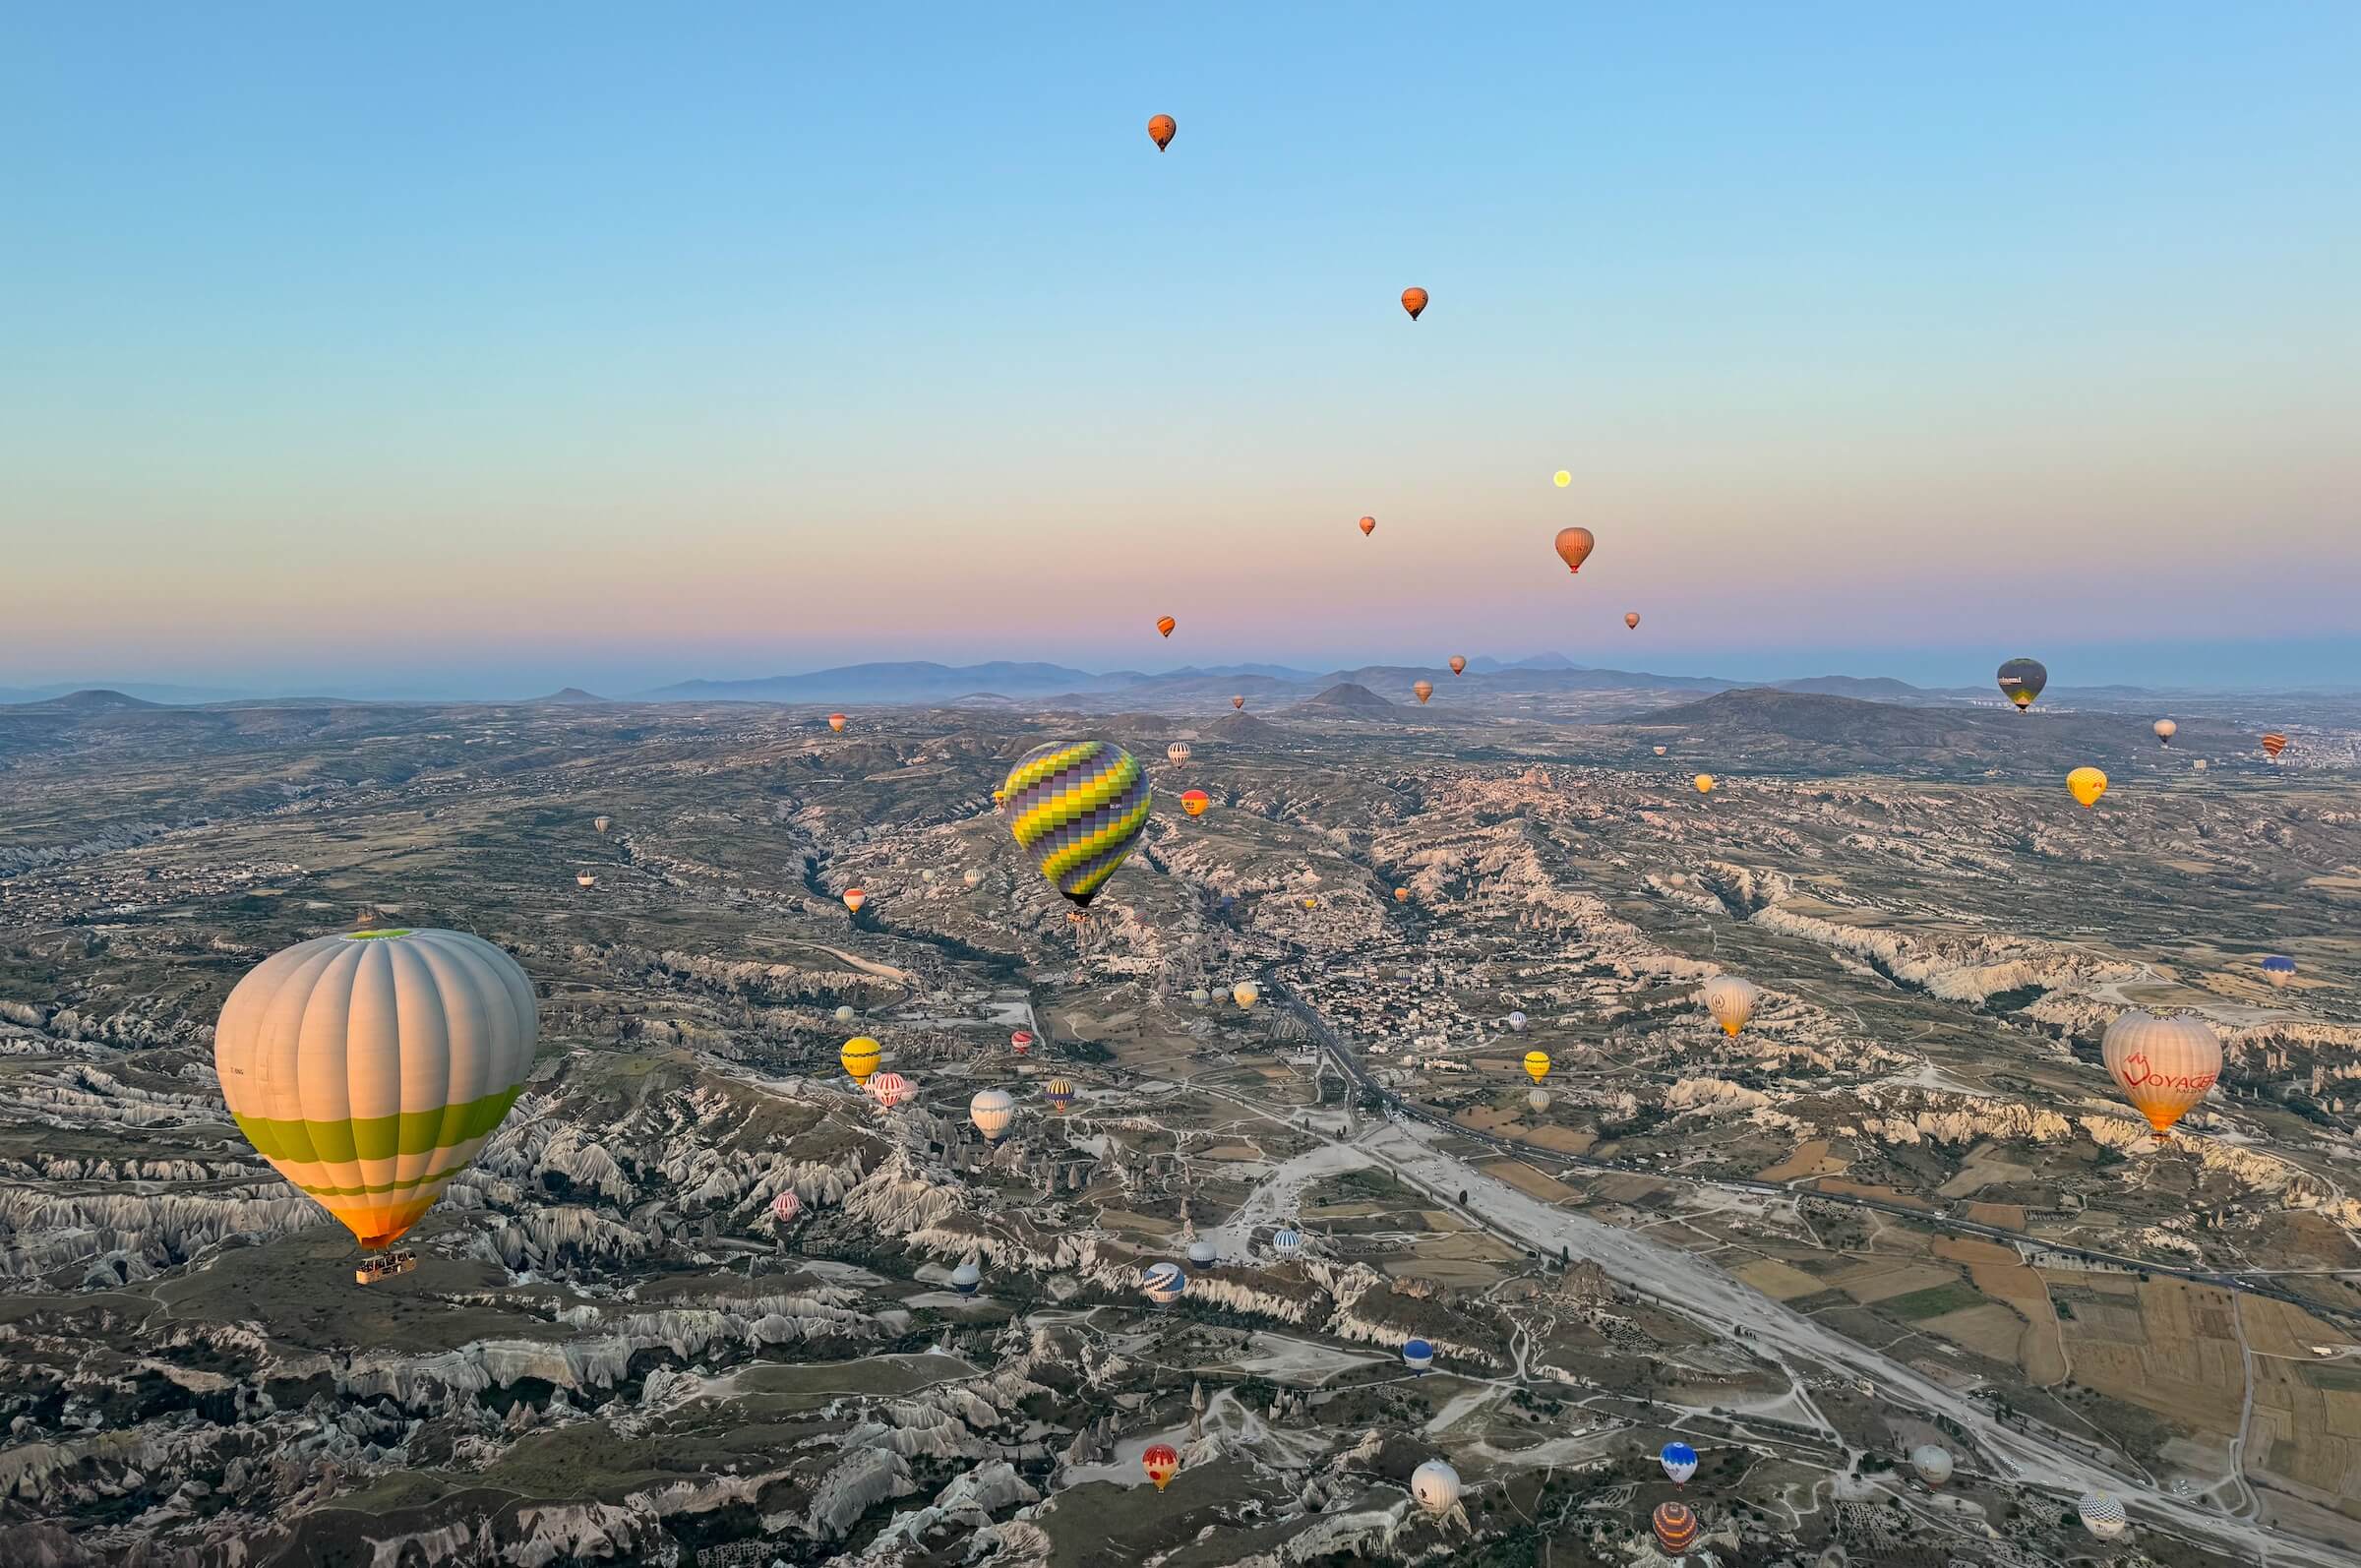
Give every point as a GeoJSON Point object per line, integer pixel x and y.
{"type": "Point", "coordinates": [642, 347]}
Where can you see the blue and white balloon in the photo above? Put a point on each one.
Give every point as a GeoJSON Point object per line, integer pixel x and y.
{"type": "Point", "coordinates": [1679, 1461]}
{"type": "Point", "coordinates": [1163, 1283]}
{"type": "Point", "coordinates": [966, 1277]}
{"type": "Point", "coordinates": [1287, 1243]}
{"type": "Point", "coordinates": [1418, 1355]}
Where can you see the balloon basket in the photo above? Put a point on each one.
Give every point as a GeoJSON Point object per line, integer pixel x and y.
{"type": "Point", "coordinates": [384, 1266]}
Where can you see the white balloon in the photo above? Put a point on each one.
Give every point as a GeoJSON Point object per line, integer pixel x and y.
{"type": "Point", "coordinates": [1435, 1486]}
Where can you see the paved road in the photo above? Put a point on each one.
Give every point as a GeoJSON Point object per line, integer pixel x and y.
{"type": "Point", "coordinates": [1785, 1336]}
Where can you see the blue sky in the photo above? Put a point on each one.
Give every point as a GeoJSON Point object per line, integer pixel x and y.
{"type": "Point", "coordinates": [466, 352]}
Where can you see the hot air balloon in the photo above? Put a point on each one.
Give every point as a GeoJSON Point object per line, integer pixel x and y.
{"type": "Point", "coordinates": [1561, 479]}
{"type": "Point", "coordinates": [786, 1206]}
{"type": "Point", "coordinates": [1435, 1486]}
{"type": "Point", "coordinates": [1237, 701]}
{"type": "Point", "coordinates": [927, 876]}
{"type": "Point", "coordinates": [2022, 681]}
{"type": "Point", "coordinates": [1160, 130]}
{"type": "Point", "coordinates": [1165, 624]}
{"type": "Point", "coordinates": [2086, 785]}
{"type": "Point", "coordinates": [1459, 665]}
{"type": "Point", "coordinates": [1574, 547]}
{"type": "Point", "coordinates": [1078, 807]}
{"type": "Point", "coordinates": [1245, 993]}
{"type": "Point", "coordinates": [2273, 744]}
{"type": "Point", "coordinates": [1287, 1243]}
{"type": "Point", "coordinates": [1516, 1023]}
{"type": "Point", "coordinates": [1676, 1526]}
{"type": "Point", "coordinates": [1401, 896]}
{"type": "Point", "coordinates": [2102, 1515]}
{"type": "Point", "coordinates": [1631, 620]}
{"type": "Point", "coordinates": [854, 898]}
{"type": "Point", "coordinates": [844, 1015]}
{"type": "Point", "coordinates": [2199, 765]}
{"type": "Point", "coordinates": [967, 1278]}
{"type": "Point", "coordinates": [992, 1111]}
{"type": "Point", "coordinates": [973, 877]}
{"type": "Point", "coordinates": [1679, 1461]}
{"type": "Point", "coordinates": [1932, 1461]}
{"type": "Point", "coordinates": [1536, 1100]}
{"type": "Point", "coordinates": [1730, 1000]}
{"type": "Point", "coordinates": [836, 722]}
{"type": "Point", "coordinates": [860, 1057]}
{"type": "Point", "coordinates": [1163, 1283]}
{"type": "Point", "coordinates": [1660, 751]}
{"type": "Point", "coordinates": [1021, 1041]}
{"type": "Point", "coordinates": [1160, 1461]}
{"type": "Point", "coordinates": [1424, 689]}
{"type": "Point", "coordinates": [1060, 1092]}
{"type": "Point", "coordinates": [369, 1067]}
{"type": "Point", "coordinates": [1414, 300]}
{"type": "Point", "coordinates": [1177, 753]}
{"type": "Point", "coordinates": [1537, 1066]}
{"type": "Point", "coordinates": [890, 1089]}
{"type": "Point", "coordinates": [1201, 1253]}
{"type": "Point", "coordinates": [1705, 783]}
{"type": "Point", "coordinates": [601, 822]}
{"type": "Point", "coordinates": [2278, 970]}
{"type": "Point", "coordinates": [1368, 525]}
{"type": "Point", "coordinates": [2165, 730]}
{"type": "Point", "coordinates": [2163, 1066]}
{"type": "Point", "coordinates": [1311, 903]}
{"type": "Point", "coordinates": [1418, 1355]}
{"type": "Point", "coordinates": [585, 880]}
{"type": "Point", "coordinates": [1194, 802]}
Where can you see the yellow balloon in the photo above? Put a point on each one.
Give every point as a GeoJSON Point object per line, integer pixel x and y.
{"type": "Point", "coordinates": [860, 1057]}
{"type": "Point", "coordinates": [1537, 1065]}
{"type": "Point", "coordinates": [2088, 784]}
{"type": "Point", "coordinates": [1705, 783]}
{"type": "Point", "coordinates": [1561, 478]}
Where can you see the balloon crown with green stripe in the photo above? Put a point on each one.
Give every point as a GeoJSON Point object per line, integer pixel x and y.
{"type": "Point", "coordinates": [392, 934]}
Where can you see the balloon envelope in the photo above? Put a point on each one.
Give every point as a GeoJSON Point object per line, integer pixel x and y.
{"type": "Point", "coordinates": [1574, 546]}
{"type": "Point", "coordinates": [1194, 802]}
{"type": "Point", "coordinates": [368, 1069]}
{"type": "Point", "coordinates": [1177, 753]}
{"type": "Point", "coordinates": [992, 1110]}
{"type": "Point", "coordinates": [1163, 1283]}
{"type": "Point", "coordinates": [1537, 1065]}
{"type": "Point", "coordinates": [836, 722]}
{"type": "Point", "coordinates": [1287, 1243]}
{"type": "Point", "coordinates": [1201, 1253]}
{"type": "Point", "coordinates": [1676, 1526]}
{"type": "Point", "coordinates": [1245, 993]}
{"type": "Point", "coordinates": [2273, 744]}
{"type": "Point", "coordinates": [2277, 970]}
{"type": "Point", "coordinates": [1459, 666]}
{"type": "Point", "coordinates": [2163, 1065]}
{"type": "Point", "coordinates": [860, 1057]}
{"type": "Point", "coordinates": [1414, 300]}
{"type": "Point", "coordinates": [2102, 1515]}
{"type": "Point", "coordinates": [1418, 1355]}
{"type": "Point", "coordinates": [2022, 681]}
{"type": "Point", "coordinates": [971, 878]}
{"type": "Point", "coordinates": [1435, 1486]}
{"type": "Point", "coordinates": [1631, 620]}
{"type": "Point", "coordinates": [1424, 689]}
{"type": "Point", "coordinates": [2086, 785]}
{"type": "Point", "coordinates": [1932, 1461]}
{"type": "Point", "coordinates": [1537, 1100]}
{"type": "Point", "coordinates": [854, 898]}
{"type": "Point", "coordinates": [1060, 1092]}
{"type": "Point", "coordinates": [1078, 808]}
{"type": "Point", "coordinates": [1730, 1000]}
{"type": "Point", "coordinates": [1368, 525]}
{"type": "Point", "coordinates": [890, 1089]}
{"type": "Point", "coordinates": [1679, 1461]}
{"type": "Point", "coordinates": [1160, 131]}
{"type": "Point", "coordinates": [1237, 701]}
{"type": "Point", "coordinates": [1165, 624]}
{"type": "Point", "coordinates": [1161, 1461]}
{"type": "Point", "coordinates": [2165, 730]}
{"type": "Point", "coordinates": [1705, 783]}
{"type": "Point", "coordinates": [966, 1278]}
{"type": "Point", "coordinates": [786, 1206]}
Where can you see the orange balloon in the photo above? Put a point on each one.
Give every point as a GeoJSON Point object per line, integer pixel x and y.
{"type": "Point", "coordinates": [854, 898]}
{"type": "Point", "coordinates": [836, 722]}
{"type": "Point", "coordinates": [1237, 701]}
{"type": "Point", "coordinates": [1414, 300]}
{"type": "Point", "coordinates": [1368, 525]}
{"type": "Point", "coordinates": [1160, 1461]}
{"type": "Point", "coordinates": [1424, 689]}
{"type": "Point", "coordinates": [1401, 896]}
{"type": "Point", "coordinates": [1165, 624]}
{"type": "Point", "coordinates": [1631, 620]}
{"type": "Point", "coordinates": [1160, 131]}
{"type": "Point", "coordinates": [2273, 744]}
{"type": "Point", "coordinates": [1459, 666]}
{"type": "Point", "coordinates": [1574, 547]}
{"type": "Point", "coordinates": [1194, 802]}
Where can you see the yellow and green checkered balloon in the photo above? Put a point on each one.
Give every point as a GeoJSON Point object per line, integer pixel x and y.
{"type": "Point", "coordinates": [1078, 807]}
